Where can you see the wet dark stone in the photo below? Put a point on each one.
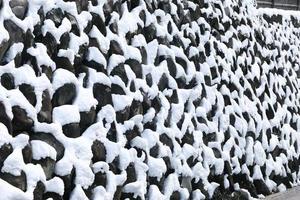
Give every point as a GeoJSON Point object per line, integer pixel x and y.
{"type": "Point", "coordinates": [87, 119]}
{"type": "Point", "coordinates": [149, 80]}
{"type": "Point", "coordinates": [7, 80]}
{"type": "Point", "coordinates": [154, 151]}
{"type": "Point", "coordinates": [15, 32]}
{"type": "Point", "coordinates": [19, 7]}
{"type": "Point", "coordinates": [261, 187]}
{"type": "Point", "coordinates": [56, 15]}
{"type": "Point", "coordinates": [4, 119]}
{"type": "Point", "coordinates": [188, 138]}
{"type": "Point", "coordinates": [50, 42]}
{"type": "Point", "coordinates": [5, 151]}
{"type": "Point", "coordinates": [4, 46]}
{"type": "Point", "coordinates": [159, 183]}
{"type": "Point", "coordinates": [99, 23]}
{"type": "Point", "coordinates": [240, 195]}
{"type": "Point", "coordinates": [245, 183]}
{"type": "Point", "coordinates": [52, 195]}
{"type": "Point", "coordinates": [131, 174]}
{"type": "Point", "coordinates": [39, 190]}
{"type": "Point", "coordinates": [27, 154]}
{"type": "Point", "coordinates": [114, 166]}
{"type": "Point", "coordinates": [20, 121]}
{"type": "Point", "coordinates": [64, 41]}
{"type": "Point", "coordinates": [97, 66]}
{"type": "Point", "coordinates": [103, 95]}
{"type": "Point", "coordinates": [82, 5]}
{"type": "Point", "coordinates": [112, 133]}
{"type": "Point", "coordinates": [69, 183]}
{"type": "Point", "coordinates": [136, 108]}
{"type": "Point", "coordinates": [186, 183]}
{"type": "Point", "coordinates": [64, 95]}
{"type": "Point", "coordinates": [99, 151]}
{"type": "Point", "coordinates": [116, 89]}
{"type": "Point", "coordinates": [64, 62]}
{"type": "Point", "coordinates": [164, 138]}
{"type": "Point", "coordinates": [123, 115]}
{"type": "Point", "coordinates": [28, 92]}
{"type": "Point", "coordinates": [74, 24]}
{"type": "Point", "coordinates": [48, 166]}
{"type": "Point", "coordinates": [175, 195]}
{"type": "Point", "coordinates": [130, 134]}
{"type": "Point", "coordinates": [100, 179]}
{"type": "Point", "coordinates": [114, 27]}
{"type": "Point", "coordinates": [209, 137]}
{"type": "Point", "coordinates": [51, 140]}
{"type": "Point", "coordinates": [120, 71]}
{"type": "Point", "coordinates": [269, 112]}
{"type": "Point", "coordinates": [136, 67]}
{"type": "Point", "coordinates": [71, 130]}
{"type": "Point", "coordinates": [281, 180]}
{"type": "Point", "coordinates": [115, 48]}
{"type": "Point", "coordinates": [163, 82]}
{"type": "Point", "coordinates": [149, 32]}
{"type": "Point", "coordinates": [82, 53]}
{"type": "Point", "coordinates": [17, 181]}
{"type": "Point", "coordinates": [171, 67]}
{"type": "Point", "coordinates": [118, 193]}
{"type": "Point", "coordinates": [45, 115]}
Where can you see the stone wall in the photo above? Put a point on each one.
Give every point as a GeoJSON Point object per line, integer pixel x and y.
{"type": "Point", "coordinates": [147, 100]}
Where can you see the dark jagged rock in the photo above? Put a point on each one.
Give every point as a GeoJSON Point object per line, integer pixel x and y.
{"type": "Point", "coordinates": [21, 121]}
{"type": "Point", "coordinates": [17, 181]}
{"type": "Point", "coordinates": [51, 140]}
{"type": "Point", "coordinates": [87, 119]}
{"type": "Point", "coordinates": [27, 154]}
{"type": "Point", "coordinates": [19, 7]}
{"type": "Point", "coordinates": [48, 166]}
{"type": "Point", "coordinates": [68, 183]}
{"type": "Point", "coordinates": [28, 92]}
{"type": "Point", "coordinates": [56, 15]}
{"type": "Point", "coordinates": [4, 118]}
{"type": "Point", "coordinates": [64, 95]}
{"type": "Point", "coordinates": [103, 94]}
{"type": "Point", "coordinates": [71, 130]}
{"type": "Point", "coordinates": [52, 195]}
{"type": "Point", "coordinates": [15, 32]}
{"type": "Point", "coordinates": [99, 151]}
{"type": "Point", "coordinates": [39, 190]}
{"type": "Point", "coordinates": [5, 151]}
{"type": "Point", "coordinates": [45, 115]}
{"type": "Point", "coordinates": [7, 80]}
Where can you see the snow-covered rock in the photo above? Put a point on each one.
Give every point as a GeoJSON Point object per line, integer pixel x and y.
{"type": "Point", "coordinates": [148, 99]}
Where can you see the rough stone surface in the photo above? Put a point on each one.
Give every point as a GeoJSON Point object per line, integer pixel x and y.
{"type": "Point", "coordinates": [165, 100]}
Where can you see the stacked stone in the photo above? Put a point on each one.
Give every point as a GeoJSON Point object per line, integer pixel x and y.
{"type": "Point", "coordinates": [147, 100]}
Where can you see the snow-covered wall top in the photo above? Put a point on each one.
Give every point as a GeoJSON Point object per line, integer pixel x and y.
{"type": "Point", "coordinates": [147, 99]}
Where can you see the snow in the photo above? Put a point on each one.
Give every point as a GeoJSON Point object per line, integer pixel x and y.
{"type": "Point", "coordinates": [95, 55]}
{"type": "Point", "coordinates": [42, 58]}
{"type": "Point", "coordinates": [66, 114]}
{"type": "Point", "coordinates": [157, 167]}
{"type": "Point", "coordinates": [13, 163]}
{"type": "Point", "coordinates": [10, 192]}
{"type": "Point", "coordinates": [85, 100]}
{"type": "Point", "coordinates": [61, 77]}
{"type": "Point", "coordinates": [49, 26]}
{"type": "Point", "coordinates": [120, 102]}
{"type": "Point", "coordinates": [55, 185]}
{"type": "Point", "coordinates": [42, 150]}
